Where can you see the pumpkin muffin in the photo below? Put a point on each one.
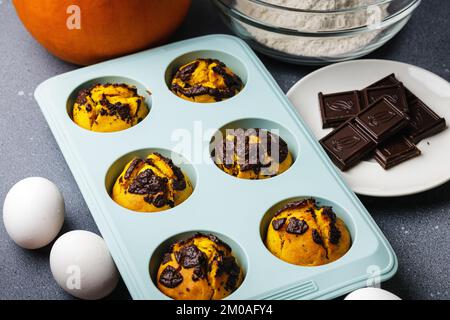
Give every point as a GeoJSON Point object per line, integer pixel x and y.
{"type": "Point", "coordinates": [252, 154]}
{"type": "Point", "coordinates": [151, 185]}
{"type": "Point", "coordinates": [206, 81]}
{"type": "Point", "coordinates": [305, 234]}
{"type": "Point", "coordinates": [199, 268]}
{"type": "Point", "coordinates": [109, 108]}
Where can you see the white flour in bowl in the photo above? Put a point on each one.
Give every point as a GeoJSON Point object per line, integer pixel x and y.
{"type": "Point", "coordinates": [322, 5]}
{"type": "Point", "coordinates": [313, 22]}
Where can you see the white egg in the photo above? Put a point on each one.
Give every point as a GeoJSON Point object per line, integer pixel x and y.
{"type": "Point", "coordinates": [371, 294]}
{"type": "Point", "coordinates": [82, 265]}
{"type": "Point", "coordinates": [33, 212]}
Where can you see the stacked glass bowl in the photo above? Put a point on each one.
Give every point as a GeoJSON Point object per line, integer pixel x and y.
{"type": "Point", "coordinates": [316, 31]}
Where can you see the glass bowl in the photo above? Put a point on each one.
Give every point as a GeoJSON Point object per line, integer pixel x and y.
{"type": "Point", "coordinates": [316, 32]}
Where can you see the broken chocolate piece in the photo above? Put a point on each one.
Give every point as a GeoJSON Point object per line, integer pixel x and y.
{"type": "Point", "coordinates": [229, 266]}
{"type": "Point", "coordinates": [166, 258]}
{"type": "Point", "coordinates": [335, 234]}
{"type": "Point", "coordinates": [190, 256]}
{"type": "Point", "coordinates": [328, 212]}
{"type": "Point", "coordinates": [395, 151]}
{"type": "Point", "coordinates": [317, 238]}
{"type": "Point", "coordinates": [170, 277]}
{"type": "Point", "coordinates": [147, 183]}
{"type": "Point", "coordinates": [199, 273]}
{"type": "Point", "coordinates": [186, 72]}
{"type": "Point", "coordinates": [277, 224]}
{"type": "Point", "coordinates": [297, 226]}
{"type": "Point", "coordinates": [133, 165]}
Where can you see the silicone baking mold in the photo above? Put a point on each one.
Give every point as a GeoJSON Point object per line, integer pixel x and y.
{"type": "Point", "coordinates": [236, 210]}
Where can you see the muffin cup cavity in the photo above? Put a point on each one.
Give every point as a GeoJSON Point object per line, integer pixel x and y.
{"type": "Point", "coordinates": [158, 255]}
{"type": "Point", "coordinates": [321, 202]}
{"type": "Point", "coordinates": [255, 123]}
{"type": "Point", "coordinates": [234, 64]}
{"type": "Point", "coordinates": [118, 166]}
{"type": "Point", "coordinates": [141, 90]}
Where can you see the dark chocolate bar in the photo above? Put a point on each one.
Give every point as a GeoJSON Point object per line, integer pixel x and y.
{"type": "Point", "coordinates": [347, 145]}
{"type": "Point", "coordinates": [360, 136]}
{"type": "Point", "coordinates": [386, 81]}
{"type": "Point", "coordinates": [337, 108]}
{"type": "Point", "coordinates": [424, 122]}
{"type": "Point", "coordinates": [394, 93]}
{"type": "Point", "coordinates": [395, 151]}
{"type": "Point", "coordinates": [379, 123]}
{"type": "Point", "coordinates": [381, 120]}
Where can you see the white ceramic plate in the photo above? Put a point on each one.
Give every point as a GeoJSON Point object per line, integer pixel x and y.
{"type": "Point", "coordinates": [425, 172]}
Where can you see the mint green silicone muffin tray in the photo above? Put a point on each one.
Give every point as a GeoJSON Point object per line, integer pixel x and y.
{"type": "Point", "coordinates": [236, 210]}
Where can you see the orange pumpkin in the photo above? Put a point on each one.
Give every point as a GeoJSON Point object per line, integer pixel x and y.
{"type": "Point", "coordinates": [88, 31]}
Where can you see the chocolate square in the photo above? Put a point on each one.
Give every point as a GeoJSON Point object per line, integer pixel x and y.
{"type": "Point", "coordinates": [424, 122]}
{"type": "Point", "coordinates": [395, 94]}
{"type": "Point", "coordinates": [382, 120]}
{"type": "Point", "coordinates": [339, 107]}
{"type": "Point", "coordinates": [347, 145]}
{"type": "Point", "coordinates": [395, 151]}
{"type": "Point", "coordinates": [386, 81]}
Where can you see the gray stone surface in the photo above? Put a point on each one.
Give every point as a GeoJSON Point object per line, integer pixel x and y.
{"type": "Point", "coordinates": [417, 226]}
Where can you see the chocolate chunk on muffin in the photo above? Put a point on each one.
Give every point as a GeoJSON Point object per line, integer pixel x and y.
{"type": "Point", "coordinates": [201, 267]}
{"type": "Point", "coordinates": [152, 184]}
{"type": "Point", "coordinates": [306, 234]}
{"type": "Point", "coordinates": [252, 154]}
{"type": "Point", "coordinates": [109, 108]}
{"type": "Point", "coordinates": [206, 81]}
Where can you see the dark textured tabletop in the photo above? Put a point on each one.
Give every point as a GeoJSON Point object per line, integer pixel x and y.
{"type": "Point", "coordinates": [418, 227]}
